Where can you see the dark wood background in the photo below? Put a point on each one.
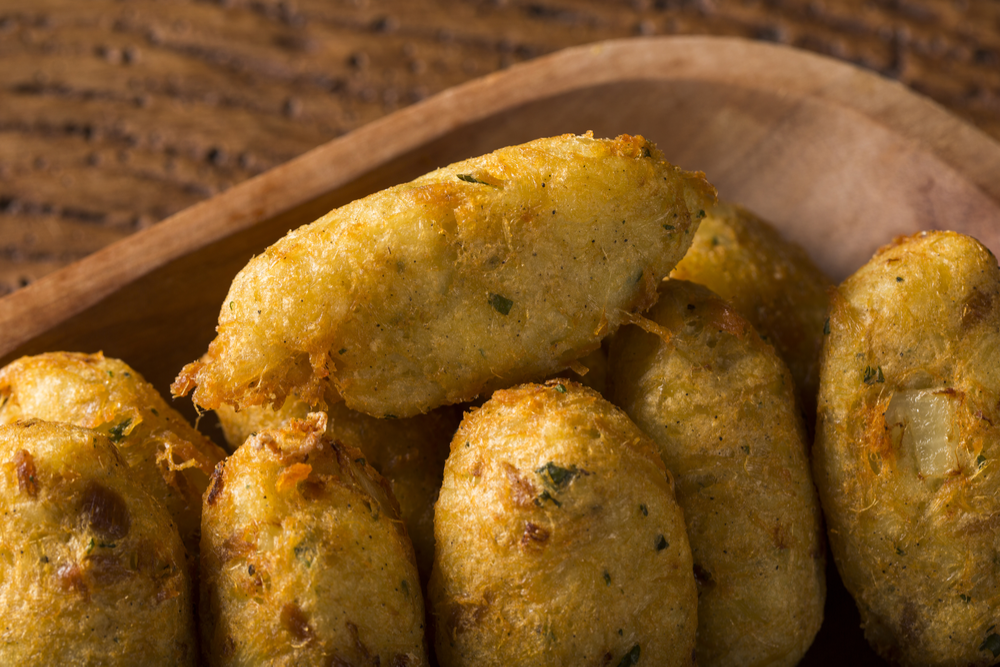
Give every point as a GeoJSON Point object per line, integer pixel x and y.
{"type": "Point", "coordinates": [114, 115]}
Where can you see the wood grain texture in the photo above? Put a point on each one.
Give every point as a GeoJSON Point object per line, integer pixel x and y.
{"type": "Point", "coordinates": [115, 115]}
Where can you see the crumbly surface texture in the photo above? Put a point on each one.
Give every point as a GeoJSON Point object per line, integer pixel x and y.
{"type": "Point", "coordinates": [559, 541]}
{"type": "Point", "coordinates": [169, 458]}
{"type": "Point", "coordinates": [720, 405]}
{"type": "Point", "coordinates": [496, 270]}
{"type": "Point", "coordinates": [92, 569]}
{"type": "Point", "coordinates": [907, 454]}
{"type": "Point", "coordinates": [770, 281]}
{"type": "Point", "coordinates": [304, 559]}
{"type": "Point", "coordinates": [409, 453]}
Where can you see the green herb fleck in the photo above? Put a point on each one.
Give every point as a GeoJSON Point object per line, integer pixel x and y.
{"type": "Point", "coordinates": [746, 449]}
{"type": "Point", "coordinates": [669, 228]}
{"type": "Point", "coordinates": [556, 477]}
{"type": "Point", "coordinates": [561, 388]}
{"type": "Point", "coordinates": [964, 598]}
{"type": "Point", "coordinates": [644, 510]}
{"type": "Point", "coordinates": [661, 543]}
{"type": "Point", "coordinates": [405, 585]}
{"type": "Point", "coordinates": [701, 213]}
{"type": "Point", "coordinates": [992, 644]}
{"type": "Point", "coordinates": [900, 552]}
{"type": "Point", "coordinates": [500, 303]}
{"type": "Point", "coordinates": [90, 545]}
{"type": "Point", "coordinates": [980, 460]}
{"type": "Point", "coordinates": [117, 433]}
{"type": "Point", "coordinates": [899, 279]}
{"type": "Point", "coordinates": [547, 496]}
{"type": "Point", "coordinates": [153, 410]}
{"type": "Point", "coordinates": [826, 327]}
{"type": "Point", "coordinates": [342, 350]}
{"type": "Point", "coordinates": [607, 578]}
{"type": "Point", "coordinates": [630, 658]}
{"type": "Point", "coordinates": [873, 375]}
{"type": "Point", "coordinates": [305, 552]}
{"type": "Point", "coordinates": [469, 178]}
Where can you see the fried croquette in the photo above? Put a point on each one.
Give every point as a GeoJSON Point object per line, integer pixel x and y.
{"type": "Point", "coordinates": [409, 453]}
{"type": "Point", "coordinates": [771, 282]}
{"type": "Point", "coordinates": [304, 559]}
{"type": "Point", "coordinates": [720, 405]}
{"type": "Point", "coordinates": [495, 270]}
{"type": "Point", "coordinates": [92, 569]}
{"type": "Point", "coordinates": [907, 452]}
{"type": "Point", "coordinates": [559, 541]}
{"type": "Point", "coordinates": [169, 458]}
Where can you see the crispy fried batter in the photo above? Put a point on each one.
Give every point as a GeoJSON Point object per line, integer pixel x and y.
{"type": "Point", "coordinates": [720, 405]}
{"type": "Point", "coordinates": [305, 560]}
{"type": "Point", "coordinates": [92, 569]}
{"type": "Point", "coordinates": [409, 452]}
{"type": "Point", "coordinates": [771, 282]}
{"type": "Point", "coordinates": [491, 271]}
{"type": "Point", "coordinates": [559, 541]}
{"type": "Point", "coordinates": [907, 454]}
{"type": "Point", "coordinates": [169, 458]}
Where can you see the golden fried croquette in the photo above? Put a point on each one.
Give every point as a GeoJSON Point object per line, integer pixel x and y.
{"type": "Point", "coordinates": [559, 541]}
{"type": "Point", "coordinates": [491, 271]}
{"type": "Point", "coordinates": [907, 453]}
{"type": "Point", "coordinates": [304, 559]}
{"type": "Point", "coordinates": [720, 405]}
{"type": "Point", "coordinates": [409, 453]}
{"type": "Point", "coordinates": [772, 282]}
{"type": "Point", "coordinates": [92, 569]}
{"type": "Point", "coordinates": [169, 458]}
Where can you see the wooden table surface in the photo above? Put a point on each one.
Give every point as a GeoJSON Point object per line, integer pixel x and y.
{"type": "Point", "coordinates": [115, 115]}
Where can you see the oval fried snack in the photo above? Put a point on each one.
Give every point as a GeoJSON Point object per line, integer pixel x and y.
{"type": "Point", "coordinates": [907, 453]}
{"type": "Point", "coordinates": [92, 569]}
{"type": "Point", "coordinates": [720, 405]}
{"type": "Point", "coordinates": [304, 559]}
{"type": "Point", "coordinates": [771, 281]}
{"type": "Point", "coordinates": [409, 453]}
{"type": "Point", "coordinates": [170, 459]}
{"type": "Point", "coordinates": [491, 271]}
{"type": "Point", "coordinates": [559, 541]}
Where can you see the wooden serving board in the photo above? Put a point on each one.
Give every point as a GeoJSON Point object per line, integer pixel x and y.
{"type": "Point", "coordinates": [839, 159]}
